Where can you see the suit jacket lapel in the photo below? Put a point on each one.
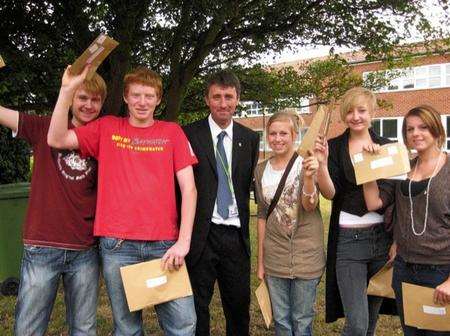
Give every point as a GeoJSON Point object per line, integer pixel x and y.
{"type": "Point", "coordinates": [237, 148]}
{"type": "Point", "coordinates": [205, 138]}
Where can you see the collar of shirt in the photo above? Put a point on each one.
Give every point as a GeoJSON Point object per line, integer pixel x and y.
{"type": "Point", "coordinates": [215, 129]}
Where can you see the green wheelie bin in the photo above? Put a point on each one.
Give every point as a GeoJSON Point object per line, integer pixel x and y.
{"type": "Point", "coordinates": [13, 205]}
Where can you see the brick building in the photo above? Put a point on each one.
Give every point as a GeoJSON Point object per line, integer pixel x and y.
{"type": "Point", "coordinates": [427, 82]}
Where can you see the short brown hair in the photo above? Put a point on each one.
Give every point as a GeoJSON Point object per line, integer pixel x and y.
{"type": "Point", "coordinates": [143, 76]}
{"type": "Point", "coordinates": [352, 96]}
{"type": "Point", "coordinates": [431, 118]}
{"type": "Point", "coordinates": [95, 85]}
{"type": "Point", "coordinates": [287, 115]}
{"type": "Point", "coordinates": [224, 78]}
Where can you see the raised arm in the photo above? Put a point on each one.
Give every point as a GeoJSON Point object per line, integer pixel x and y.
{"type": "Point", "coordinates": [9, 118]}
{"type": "Point", "coordinates": [310, 196]}
{"type": "Point", "coordinates": [174, 257]}
{"type": "Point", "coordinates": [324, 180]}
{"type": "Point", "coordinates": [59, 136]}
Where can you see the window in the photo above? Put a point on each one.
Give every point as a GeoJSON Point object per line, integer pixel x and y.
{"type": "Point", "coordinates": [447, 77]}
{"type": "Point", "coordinates": [255, 109]}
{"type": "Point", "coordinates": [262, 140]}
{"type": "Point", "coordinates": [388, 127]}
{"type": "Point", "coordinates": [251, 108]}
{"type": "Point", "coordinates": [420, 77]}
{"type": "Point", "coordinates": [408, 80]}
{"type": "Point", "coordinates": [304, 109]}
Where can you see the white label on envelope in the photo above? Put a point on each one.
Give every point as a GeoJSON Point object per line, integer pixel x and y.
{"type": "Point", "coordinates": [101, 39]}
{"type": "Point", "coordinates": [381, 163]}
{"type": "Point", "coordinates": [392, 150]}
{"type": "Point", "coordinates": [93, 48]}
{"type": "Point", "coordinates": [434, 310]}
{"type": "Point", "coordinates": [155, 282]}
{"type": "Point", "coordinates": [398, 177]}
{"type": "Point", "coordinates": [94, 55]}
{"type": "Point", "coordinates": [358, 158]}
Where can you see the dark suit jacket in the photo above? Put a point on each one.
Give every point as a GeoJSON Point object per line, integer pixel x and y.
{"type": "Point", "coordinates": [244, 158]}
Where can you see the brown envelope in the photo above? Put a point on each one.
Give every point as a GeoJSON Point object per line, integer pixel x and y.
{"type": "Point", "coordinates": [262, 295]}
{"type": "Point", "coordinates": [319, 125]}
{"type": "Point", "coordinates": [95, 54]}
{"type": "Point", "coordinates": [381, 283]}
{"type": "Point", "coordinates": [2, 63]}
{"type": "Point", "coordinates": [392, 160]}
{"type": "Point", "coordinates": [421, 312]}
{"type": "Point", "coordinates": [146, 284]}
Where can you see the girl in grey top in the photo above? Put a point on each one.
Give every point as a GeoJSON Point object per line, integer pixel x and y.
{"type": "Point", "coordinates": [421, 213]}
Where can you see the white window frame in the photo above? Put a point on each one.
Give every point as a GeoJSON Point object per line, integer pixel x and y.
{"type": "Point", "coordinates": [414, 75]}
{"type": "Point", "coordinates": [399, 127]}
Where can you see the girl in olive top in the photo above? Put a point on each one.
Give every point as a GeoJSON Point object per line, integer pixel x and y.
{"type": "Point", "coordinates": [291, 254]}
{"type": "Point", "coordinates": [422, 212]}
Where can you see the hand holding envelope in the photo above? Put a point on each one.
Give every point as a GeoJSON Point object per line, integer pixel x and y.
{"type": "Point", "coordinates": [319, 127]}
{"type": "Point", "coordinates": [95, 54]}
{"type": "Point", "coordinates": [420, 311]}
{"type": "Point", "coordinates": [147, 284]}
{"type": "Point", "coordinates": [391, 160]}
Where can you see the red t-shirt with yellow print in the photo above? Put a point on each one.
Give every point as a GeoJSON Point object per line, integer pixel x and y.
{"type": "Point", "coordinates": [136, 176]}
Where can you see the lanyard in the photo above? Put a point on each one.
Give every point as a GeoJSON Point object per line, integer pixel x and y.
{"type": "Point", "coordinates": [227, 170]}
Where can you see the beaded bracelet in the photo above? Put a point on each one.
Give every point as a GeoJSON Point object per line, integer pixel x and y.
{"type": "Point", "coordinates": [311, 194]}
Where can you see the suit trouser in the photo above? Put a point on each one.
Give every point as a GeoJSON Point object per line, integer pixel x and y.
{"type": "Point", "coordinates": [224, 259]}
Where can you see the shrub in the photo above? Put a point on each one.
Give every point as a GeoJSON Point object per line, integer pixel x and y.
{"type": "Point", "coordinates": [14, 158]}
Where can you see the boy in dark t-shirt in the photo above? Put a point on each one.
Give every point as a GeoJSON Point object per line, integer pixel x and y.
{"type": "Point", "coordinates": [58, 229]}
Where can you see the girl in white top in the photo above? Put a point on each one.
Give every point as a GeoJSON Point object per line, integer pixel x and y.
{"type": "Point", "coordinates": [291, 254]}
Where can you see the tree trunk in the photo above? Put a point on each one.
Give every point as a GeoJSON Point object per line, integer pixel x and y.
{"type": "Point", "coordinates": [174, 97]}
{"type": "Point", "coordinates": [114, 101]}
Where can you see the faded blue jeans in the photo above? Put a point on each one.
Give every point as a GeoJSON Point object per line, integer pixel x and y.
{"type": "Point", "coordinates": [292, 305]}
{"type": "Point", "coordinates": [417, 274]}
{"type": "Point", "coordinates": [360, 254]}
{"type": "Point", "coordinates": [176, 317]}
{"type": "Point", "coordinates": [41, 270]}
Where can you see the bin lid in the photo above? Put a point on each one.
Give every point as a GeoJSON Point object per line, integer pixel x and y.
{"type": "Point", "coordinates": [14, 190]}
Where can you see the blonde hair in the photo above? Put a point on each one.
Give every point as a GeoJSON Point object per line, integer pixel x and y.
{"type": "Point", "coordinates": [287, 115]}
{"type": "Point", "coordinates": [95, 85]}
{"type": "Point", "coordinates": [431, 118]}
{"type": "Point", "coordinates": [143, 76]}
{"type": "Point", "coordinates": [352, 97]}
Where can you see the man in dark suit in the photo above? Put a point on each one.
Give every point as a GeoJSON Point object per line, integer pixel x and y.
{"type": "Point", "coordinates": [220, 249]}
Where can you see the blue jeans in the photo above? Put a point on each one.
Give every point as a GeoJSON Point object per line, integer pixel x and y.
{"type": "Point", "coordinates": [292, 305]}
{"type": "Point", "coordinates": [360, 254]}
{"type": "Point", "coordinates": [176, 317]}
{"type": "Point", "coordinates": [41, 270]}
{"type": "Point", "coordinates": [417, 274]}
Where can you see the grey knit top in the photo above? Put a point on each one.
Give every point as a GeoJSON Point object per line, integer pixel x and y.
{"type": "Point", "coordinates": [433, 246]}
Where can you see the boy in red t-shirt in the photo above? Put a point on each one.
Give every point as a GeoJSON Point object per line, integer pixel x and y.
{"type": "Point", "coordinates": [136, 218]}
{"type": "Point", "coordinates": [58, 229]}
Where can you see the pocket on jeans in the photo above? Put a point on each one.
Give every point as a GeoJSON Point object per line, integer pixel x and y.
{"type": "Point", "coordinates": [110, 244]}
{"type": "Point", "coordinates": [443, 270]}
{"type": "Point", "coordinates": [32, 248]}
{"type": "Point", "coordinates": [167, 243]}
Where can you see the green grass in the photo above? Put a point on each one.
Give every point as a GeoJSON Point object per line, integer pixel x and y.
{"type": "Point", "coordinates": [386, 326]}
